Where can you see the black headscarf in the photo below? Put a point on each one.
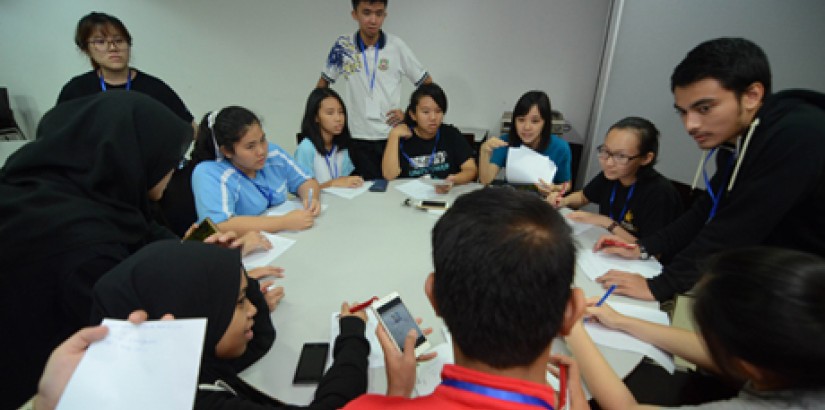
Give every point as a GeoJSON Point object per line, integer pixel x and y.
{"type": "Point", "coordinates": [188, 280]}
{"type": "Point", "coordinates": [85, 179]}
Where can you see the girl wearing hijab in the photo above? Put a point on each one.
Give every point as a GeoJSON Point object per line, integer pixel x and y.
{"type": "Point", "coordinates": [238, 330]}
{"type": "Point", "coordinates": [239, 174]}
{"type": "Point", "coordinates": [75, 202]}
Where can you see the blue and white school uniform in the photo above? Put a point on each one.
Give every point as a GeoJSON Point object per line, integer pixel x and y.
{"type": "Point", "coordinates": [222, 191]}
{"type": "Point", "coordinates": [323, 168]}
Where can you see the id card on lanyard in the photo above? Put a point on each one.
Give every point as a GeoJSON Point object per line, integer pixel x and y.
{"type": "Point", "coordinates": [128, 81]}
{"type": "Point", "coordinates": [373, 106]}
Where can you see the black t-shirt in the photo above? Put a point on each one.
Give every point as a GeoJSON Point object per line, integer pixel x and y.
{"type": "Point", "coordinates": [452, 151]}
{"type": "Point", "coordinates": [89, 83]}
{"type": "Point", "coordinates": [654, 203]}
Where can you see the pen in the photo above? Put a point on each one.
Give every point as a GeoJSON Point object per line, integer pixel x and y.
{"type": "Point", "coordinates": [362, 306]}
{"type": "Point", "coordinates": [606, 294]}
{"type": "Point", "coordinates": [611, 242]}
{"type": "Point", "coordinates": [309, 200]}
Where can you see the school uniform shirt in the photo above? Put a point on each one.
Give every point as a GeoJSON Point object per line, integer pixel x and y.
{"type": "Point", "coordinates": [776, 199]}
{"type": "Point", "coordinates": [321, 167]}
{"type": "Point", "coordinates": [89, 83]}
{"type": "Point", "coordinates": [558, 150]}
{"type": "Point", "coordinates": [653, 204]}
{"type": "Point", "coordinates": [222, 191]}
{"type": "Point", "coordinates": [447, 397]}
{"type": "Point", "coordinates": [417, 157]}
{"type": "Point", "coordinates": [368, 102]}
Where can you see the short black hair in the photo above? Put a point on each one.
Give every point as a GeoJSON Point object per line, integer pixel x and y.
{"type": "Point", "coordinates": [92, 21]}
{"type": "Point", "coordinates": [542, 102]}
{"type": "Point", "coordinates": [647, 134]}
{"type": "Point", "coordinates": [765, 306]}
{"type": "Point", "coordinates": [735, 62]}
{"type": "Point", "coordinates": [356, 2]}
{"type": "Point", "coordinates": [312, 130]}
{"type": "Point", "coordinates": [231, 123]}
{"type": "Point", "coordinates": [431, 90]}
{"type": "Point", "coordinates": [504, 262]}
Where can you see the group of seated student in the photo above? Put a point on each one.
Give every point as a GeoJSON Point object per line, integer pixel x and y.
{"type": "Point", "coordinates": [502, 356]}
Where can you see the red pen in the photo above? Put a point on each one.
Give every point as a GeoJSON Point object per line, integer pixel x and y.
{"type": "Point", "coordinates": [611, 242]}
{"type": "Point", "coordinates": [364, 305]}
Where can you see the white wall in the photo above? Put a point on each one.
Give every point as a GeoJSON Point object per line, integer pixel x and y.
{"type": "Point", "coordinates": [268, 54]}
{"type": "Point", "coordinates": [650, 37]}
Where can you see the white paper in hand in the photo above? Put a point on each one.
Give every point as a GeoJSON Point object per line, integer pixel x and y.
{"type": "Point", "coordinates": [525, 166]}
{"type": "Point", "coordinates": [153, 365]}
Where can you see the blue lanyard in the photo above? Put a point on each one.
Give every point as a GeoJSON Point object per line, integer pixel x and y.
{"type": "Point", "coordinates": [366, 66]}
{"type": "Point", "coordinates": [715, 198]}
{"type": "Point", "coordinates": [432, 156]}
{"type": "Point", "coordinates": [626, 201]}
{"type": "Point", "coordinates": [500, 394]}
{"type": "Point", "coordinates": [265, 191]}
{"type": "Point", "coordinates": [128, 81]}
{"type": "Point", "coordinates": [331, 154]}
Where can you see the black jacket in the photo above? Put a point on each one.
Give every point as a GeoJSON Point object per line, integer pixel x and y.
{"type": "Point", "coordinates": [777, 197]}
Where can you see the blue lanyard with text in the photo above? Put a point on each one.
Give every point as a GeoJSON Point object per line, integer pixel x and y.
{"type": "Point", "coordinates": [366, 66]}
{"type": "Point", "coordinates": [626, 201]}
{"type": "Point", "coordinates": [331, 154]}
{"type": "Point", "coordinates": [128, 81]}
{"type": "Point", "coordinates": [432, 156]}
{"type": "Point", "coordinates": [500, 394]}
{"type": "Point", "coordinates": [718, 196]}
{"type": "Point", "coordinates": [264, 190]}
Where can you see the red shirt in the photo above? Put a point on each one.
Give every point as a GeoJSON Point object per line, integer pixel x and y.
{"type": "Point", "coordinates": [446, 397]}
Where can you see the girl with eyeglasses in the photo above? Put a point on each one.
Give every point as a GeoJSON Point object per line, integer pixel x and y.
{"type": "Point", "coordinates": [634, 199]}
{"type": "Point", "coordinates": [108, 44]}
{"type": "Point", "coordinates": [239, 175]}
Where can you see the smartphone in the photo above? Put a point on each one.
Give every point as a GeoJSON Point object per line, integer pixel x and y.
{"type": "Point", "coordinates": [429, 204]}
{"type": "Point", "coordinates": [311, 363]}
{"type": "Point", "coordinates": [379, 185]}
{"type": "Point", "coordinates": [203, 231]}
{"type": "Point", "coordinates": [397, 321]}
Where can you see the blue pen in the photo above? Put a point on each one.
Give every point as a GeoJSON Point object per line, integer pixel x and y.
{"type": "Point", "coordinates": [309, 201]}
{"type": "Point", "coordinates": [604, 298]}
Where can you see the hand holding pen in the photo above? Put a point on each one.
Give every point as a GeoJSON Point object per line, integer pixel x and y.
{"type": "Point", "coordinates": [615, 245]}
{"type": "Point", "coordinates": [592, 308]}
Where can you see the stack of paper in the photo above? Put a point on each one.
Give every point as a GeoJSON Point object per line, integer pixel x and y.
{"type": "Point", "coordinates": [525, 166]}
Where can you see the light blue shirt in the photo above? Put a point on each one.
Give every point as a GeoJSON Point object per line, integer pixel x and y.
{"type": "Point", "coordinates": [316, 165]}
{"type": "Point", "coordinates": [222, 191]}
{"type": "Point", "coordinates": [558, 150]}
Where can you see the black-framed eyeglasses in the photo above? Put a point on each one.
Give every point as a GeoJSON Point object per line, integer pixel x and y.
{"type": "Point", "coordinates": [103, 44]}
{"type": "Point", "coordinates": [620, 159]}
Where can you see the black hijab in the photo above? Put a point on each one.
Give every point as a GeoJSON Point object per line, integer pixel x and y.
{"type": "Point", "coordinates": [86, 177]}
{"type": "Point", "coordinates": [188, 280]}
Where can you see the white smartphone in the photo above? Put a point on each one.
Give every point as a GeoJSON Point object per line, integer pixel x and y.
{"type": "Point", "coordinates": [397, 321]}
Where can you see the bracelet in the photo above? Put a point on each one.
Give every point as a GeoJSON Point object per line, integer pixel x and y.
{"type": "Point", "coordinates": [612, 226]}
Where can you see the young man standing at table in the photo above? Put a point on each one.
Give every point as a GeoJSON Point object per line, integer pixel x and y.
{"type": "Point", "coordinates": [504, 264]}
{"type": "Point", "coordinates": [372, 63]}
{"type": "Point", "coordinates": [769, 184]}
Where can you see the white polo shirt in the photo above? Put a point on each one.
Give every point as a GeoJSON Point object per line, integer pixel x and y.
{"type": "Point", "coordinates": [366, 104]}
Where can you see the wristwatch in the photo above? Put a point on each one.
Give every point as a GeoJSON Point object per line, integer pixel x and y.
{"type": "Point", "coordinates": [643, 254]}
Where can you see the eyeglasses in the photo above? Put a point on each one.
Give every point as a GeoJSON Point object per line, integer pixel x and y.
{"type": "Point", "coordinates": [620, 159]}
{"type": "Point", "coordinates": [103, 44]}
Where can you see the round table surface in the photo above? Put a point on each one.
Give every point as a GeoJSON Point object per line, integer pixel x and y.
{"type": "Point", "coordinates": [367, 246]}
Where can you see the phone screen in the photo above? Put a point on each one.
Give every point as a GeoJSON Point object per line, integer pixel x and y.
{"type": "Point", "coordinates": [434, 204]}
{"type": "Point", "coordinates": [206, 228]}
{"type": "Point", "coordinates": [398, 321]}
{"type": "Point", "coordinates": [311, 364]}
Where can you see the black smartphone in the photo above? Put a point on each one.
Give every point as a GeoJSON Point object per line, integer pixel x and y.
{"type": "Point", "coordinates": [311, 363]}
{"type": "Point", "coordinates": [436, 205]}
{"type": "Point", "coordinates": [379, 185]}
{"type": "Point", "coordinates": [203, 231]}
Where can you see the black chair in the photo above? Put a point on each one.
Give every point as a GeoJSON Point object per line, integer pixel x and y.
{"type": "Point", "coordinates": [9, 130]}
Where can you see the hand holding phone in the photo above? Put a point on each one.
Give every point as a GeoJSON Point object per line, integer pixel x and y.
{"type": "Point", "coordinates": [397, 322]}
{"type": "Point", "coordinates": [206, 229]}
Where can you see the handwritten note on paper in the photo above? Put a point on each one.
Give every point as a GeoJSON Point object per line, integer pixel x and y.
{"type": "Point", "coordinates": [263, 258]}
{"type": "Point", "coordinates": [348, 193]}
{"type": "Point", "coordinates": [153, 365]}
{"type": "Point", "coordinates": [623, 341]}
{"type": "Point", "coordinates": [525, 166]}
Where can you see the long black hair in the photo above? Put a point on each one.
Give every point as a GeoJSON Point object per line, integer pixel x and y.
{"type": "Point", "coordinates": [765, 306]}
{"type": "Point", "coordinates": [431, 90]}
{"type": "Point", "coordinates": [312, 130]}
{"type": "Point", "coordinates": [230, 124]}
{"type": "Point", "coordinates": [523, 105]}
{"type": "Point", "coordinates": [647, 134]}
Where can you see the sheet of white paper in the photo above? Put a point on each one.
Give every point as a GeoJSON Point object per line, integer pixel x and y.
{"type": "Point", "coordinates": [417, 189]}
{"type": "Point", "coordinates": [348, 193]}
{"type": "Point", "coordinates": [428, 374]}
{"type": "Point", "coordinates": [289, 206]}
{"type": "Point", "coordinates": [623, 341]}
{"type": "Point", "coordinates": [131, 368]}
{"type": "Point", "coordinates": [525, 166]}
{"type": "Point", "coordinates": [263, 258]}
{"type": "Point", "coordinates": [376, 357]}
{"type": "Point", "coordinates": [595, 264]}
{"type": "Point", "coordinates": [577, 227]}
